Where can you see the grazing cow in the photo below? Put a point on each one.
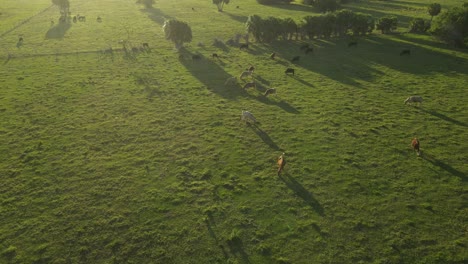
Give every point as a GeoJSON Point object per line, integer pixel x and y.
{"type": "Point", "coordinates": [215, 55]}
{"type": "Point", "coordinates": [244, 46]}
{"type": "Point", "coordinates": [289, 70]}
{"type": "Point", "coordinates": [414, 99]}
{"type": "Point", "coordinates": [99, 19]}
{"type": "Point", "coordinates": [251, 68]}
{"type": "Point", "coordinates": [249, 85]}
{"type": "Point", "coordinates": [405, 52]}
{"type": "Point", "coordinates": [304, 47]}
{"type": "Point", "coordinates": [196, 57]}
{"type": "Point", "coordinates": [237, 6]}
{"type": "Point", "coordinates": [309, 50]}
{"type": "Point", "coordinates": [230, 81]}
{"type": "Point", "coordinates": [296, 59]}
{"type": "Point", "coordinates": [281, 163]}
{"type": "Point", "coordinates": [248, 117]}
{"type": "Point", "coordinates": [20, 39]}
{"type": "Point", "coordinates": [352, 44]}
{"type": "Point", "coordinates": [415, 144]}
{"type": "Point", "coordinates": [270, 91]}
{"type": "Point", "coordinates": [273, 55]}
{"type": "Point", "coordinates": [245, 74]}
{"type": "Point", "coordinates": [193, 9]}
{"type": "Point", "coordinates": [145, 45]}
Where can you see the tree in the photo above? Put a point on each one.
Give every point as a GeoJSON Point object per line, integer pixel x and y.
{"type": "Point", "coordinates": [146, 3]}
{"type": "Point", "coordinates": [387, 24]}
{"type": "Point", "coordinates": [419, 25]}
{"type": "Point", "coordinates": [220, 4]}
{"type": "Point", "coordinates": [64, 6]}
{"type": "Point", "coordinates": [434, 10]}
{"type": "Point", "coordinates": [254, 26]}
{"type": "Point", "coordinates": [362, 24]}
{"type": "Point", "coordinates": [452, 26]}
{"type": "Point", "coordinates": [177, 31]}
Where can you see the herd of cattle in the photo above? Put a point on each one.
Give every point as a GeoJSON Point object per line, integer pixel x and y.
{"type": "Point", "coordinates": [249, 118]}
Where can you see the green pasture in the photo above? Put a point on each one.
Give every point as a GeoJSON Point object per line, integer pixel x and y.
{"type": "Point", "coordinates": [141, 157]}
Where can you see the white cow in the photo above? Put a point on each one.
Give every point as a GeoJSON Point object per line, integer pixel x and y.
{"type": "Point", "coordinates": [247, 116]}
{"type": "Point", "coordinates": [414, 99]}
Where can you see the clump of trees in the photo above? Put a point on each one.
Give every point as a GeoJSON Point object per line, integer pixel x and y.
{"type": "Point", "coordinates": [323, 26]}
{"type": "Point", "coordinates": [419, 25]}
{"type": "Point", "coordinates": [452, 26]}
{"type": "Point", "coordinates": [178, 32]}
{"type": "Point", "coordinates": [387, 24]}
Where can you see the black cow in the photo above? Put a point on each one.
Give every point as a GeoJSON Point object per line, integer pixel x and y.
{"type": "Point", "coordinates": [215, 55]}
{"type": "Point", "coordinates": [308, 50]}
{"type": "Point", "coordinates": [352, 44]}
{"type": "Point", "coordinates": [405, 52]}
{"type": "Point", "coordinates": [305, 46]}
{"type": "Point", "coordinates": [244, 46]}
{"type": "Point", "coordinates": [289, 70]}
{"type": "Point", "coordinates": [145, 45]}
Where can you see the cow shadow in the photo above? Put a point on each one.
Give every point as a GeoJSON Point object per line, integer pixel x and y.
{"type": "Point", "coordinates": [431, 159]}
{"type": "Point", "coordinates": [58, 31]}
{"type": "Point", "coordinates": [443, 117]}
{"type": "Point", "coordinates": [302, 192]}
{"type": "Point", "coordinates": [264, 136]}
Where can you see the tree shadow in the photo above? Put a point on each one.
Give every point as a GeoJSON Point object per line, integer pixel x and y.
{"type": "Point", "coordinates": [443, 117]}
{"type": "Point", "coordinates": [210, 74]}
{"type": "Point", "coordinates": [237, 248]}
{"type": "Point", "coordinates": [282, 104]}
{"type": "Point", "coordinates": [304, 194]}
{"type": "Point", "coordinates": [264, 136]}
{"type": "Point", "coordinates": [295, 7]}
{"type": "Point", "coordinates": [241, 19]}
{"type": "Point", "coordinates": [209, 225]}
{"type": "Point", "coordinates": [58, 31]}
{"type": "Point", "coordinates": [156, 15]}
{"type": "Point", "coordinates": [445, 167]}
{"type": "Point", "coordinates": [403, 21]}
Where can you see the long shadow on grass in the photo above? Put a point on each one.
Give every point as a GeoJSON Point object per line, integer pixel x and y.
{"type": "Point", "coordinates": [156, 15]}
{"type": "Point", "coordinates": [403, 21]}
{"type": "Point", "coordinates": [238, 18]}
{"type": "Point", "coordinates": [209, 225]}
{"type": "Point", "coordinates": [212, 75]}
{"type": "Point", "coordinates": [443, 117]}
{"type": "Point", "coordinates": [302, 192]}
{"type": "Point", "coordinates": [445, 166]}
{"type": "Point", "coordinates": [264, 136]}
{"type": "Point", "coordinates": [58, 31]}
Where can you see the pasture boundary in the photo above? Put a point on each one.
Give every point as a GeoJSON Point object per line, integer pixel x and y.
{"type": "Point", "coordinates": [24, 22]}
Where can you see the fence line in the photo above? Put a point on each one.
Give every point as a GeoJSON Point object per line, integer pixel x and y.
{"type": "Point", "coordinates": [24, 22]}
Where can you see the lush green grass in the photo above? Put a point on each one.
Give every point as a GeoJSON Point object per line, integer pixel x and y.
{"type": "Point", "coordinates": [142, 158]}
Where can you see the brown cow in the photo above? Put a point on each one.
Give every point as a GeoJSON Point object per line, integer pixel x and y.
{"type": "Point", "coordinates": [281, 163]}
{"type": "Point", "coordinates": [415, 144]}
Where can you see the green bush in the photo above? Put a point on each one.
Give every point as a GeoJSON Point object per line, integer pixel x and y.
{"type": "Point", "coordinates": [452, 26]}
{"type": "Point", "coordinates": [419, 25]}
{"type": "Point", "coordinates": [387, 24]}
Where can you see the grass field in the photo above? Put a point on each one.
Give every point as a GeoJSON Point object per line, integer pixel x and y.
{"type": "Point", "coordinates": [142, 157]}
